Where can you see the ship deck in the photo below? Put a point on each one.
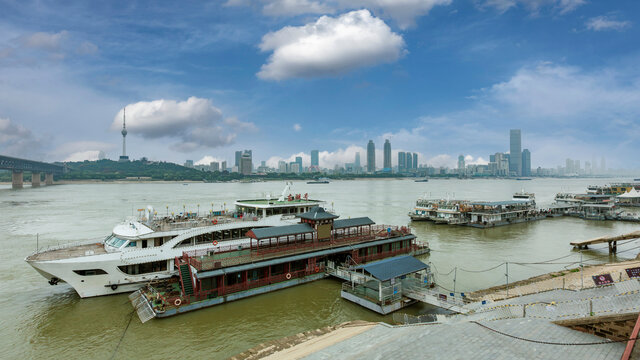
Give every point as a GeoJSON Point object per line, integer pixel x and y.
{"type": "Point", "coordinates": [68, 252]}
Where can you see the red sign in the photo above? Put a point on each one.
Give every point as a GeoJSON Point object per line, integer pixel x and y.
{"type": "Point", "coordinates": [442, 297]}
{"type": "Point", "coordinates": [633, 272]}
{"type": "Point", "coordinates": [602, 279]}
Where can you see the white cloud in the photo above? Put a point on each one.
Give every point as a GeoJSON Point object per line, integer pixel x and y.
{"type": "Point", "coordinates": [82, 150]}
{"type": "Point", "coordinates": [602, 23]}
{"type": "Point", "coordinates": [87, 48]}
{"type": "Point", "coordinates": [90, 155]}
{"type": "Point", "coordinates": [45, 41]}
{"type": "Point", "coordinates": [535, 6]}
{"type": "Point", "coordinates": [403, 12]}
{"type": "Point", "coordinates": [195, 122]}
{"type": "Point", "coordinates": [330, 46]}
{"type": "Point", "coordinates": [207, 160]}
{"type": "Point", "coordinates": [296, 7]}
{"type": "Point", "coordinates": [297, 127]}
{"type": "Point", "coordinates": [18, 141]}
{"type": "Point", "coordinates": [566, 93]}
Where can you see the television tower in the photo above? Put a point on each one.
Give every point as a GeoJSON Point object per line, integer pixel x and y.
{"type": "Point", "coordinates": [124, 156]}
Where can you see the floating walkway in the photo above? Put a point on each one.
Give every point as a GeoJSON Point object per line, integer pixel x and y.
{"type": "Point", "coordinates": [611, 240]}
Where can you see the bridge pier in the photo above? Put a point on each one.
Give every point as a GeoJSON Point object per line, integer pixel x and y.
{"type": "Point", "coordinates": [613, 247]}
{"type": "Point", "coordinates": [35, 179]}
{"type": "Point", "coordinates": [48, 179]}
{"type": "Point", "coordinates": [16, 179]}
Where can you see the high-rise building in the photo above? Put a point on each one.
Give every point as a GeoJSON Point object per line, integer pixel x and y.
{"type": "Point", "coordinates": [282, 166]}
{"type": "Point", "coordinates": [415, 160]}
{"type": "Point", "coordinates": [315, 160]}
{"type": "Point", "coordinates": [408, 161]}
{"type": "Point", "coordinates": [371, 157]}
{"type": "Point", "coordinates": [526, 162]}
{"type": "Point", "coordinates": [569, 169]}
{"type": "Point", "coordinates": [461, 165]}
{"type": "Point", "coordinates": [124, 157]}
{"type": "Point", "coordinates": [386, 164]}
{"type": "Point", "coordinates": [214, 166]}
{"type": "Point", "coordinates": [515, 152]}
{"type": "Point", "coordinates": [188, 163]}
{"type": "Point", "coordinates": [299, 162]}
{"type": "Point", "coordinates": [238, 156]}
{"type": "Point", "coordinates": [402, 161]}
{"type": "Point", "coordinates": [294, 167]}
{"type": "Point", "coordinates": [223, 166]}
{"type": "Point", "coordinates": [246, 166]}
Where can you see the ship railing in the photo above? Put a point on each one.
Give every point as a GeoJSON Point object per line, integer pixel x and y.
{"type": "Point", "coordinates": [251, 284]}
{"type": "Point", "coordinates": [198, 258]}
{"type": "Point", "coordinates": [97, 241]}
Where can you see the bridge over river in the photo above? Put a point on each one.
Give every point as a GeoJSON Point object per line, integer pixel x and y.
{"type": "Point", "coordinates": [19, 166]}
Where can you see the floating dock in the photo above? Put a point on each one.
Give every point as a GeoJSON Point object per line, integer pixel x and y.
{"type": "Point", "coordinates": [275, 258]}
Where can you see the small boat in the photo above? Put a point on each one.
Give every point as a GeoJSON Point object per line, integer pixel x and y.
{"type": "Point", "coordinates": [319, 181]}
{"type": "Point", "coordinates": [523, 178]}
{"type": "Point", "coordinates": [422, 180]}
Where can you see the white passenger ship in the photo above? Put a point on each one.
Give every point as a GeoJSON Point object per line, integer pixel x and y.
{"type": "Point", "coordinates": [144, 249]}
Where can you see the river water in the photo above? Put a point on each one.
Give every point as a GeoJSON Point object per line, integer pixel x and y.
{"type": "Point", "coordinates": [42, 321]}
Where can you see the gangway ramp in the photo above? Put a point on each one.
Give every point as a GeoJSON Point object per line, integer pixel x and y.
{"type": "Point", "coordinates": [435, 298]}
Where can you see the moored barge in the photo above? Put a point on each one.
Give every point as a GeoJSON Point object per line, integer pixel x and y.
{"type": "Point", "coordinates": [274, 258]}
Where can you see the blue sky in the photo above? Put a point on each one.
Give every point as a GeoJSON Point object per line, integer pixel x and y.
{"type": "Point", "coordinates": [438, 77]}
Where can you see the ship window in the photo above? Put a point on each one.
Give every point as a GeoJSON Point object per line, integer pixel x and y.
{"type": "Point", "coordinates": [144, 268]}
{"type": "Point", "coordinates": [115, 241]}
{"type": "Point", "coordinates": [90, 272]}
{"type": "Point", "coordinates": [132, 244]}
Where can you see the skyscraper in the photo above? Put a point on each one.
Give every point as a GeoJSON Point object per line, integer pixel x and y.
{"type": "Point", "coordinates": [299, 162]}
{"type": "Point", "coordinates": [314, 158]}
{"type": "Point", "coordinates": [409, 161]}
{"type": "Point", "coordinates": [238, 156]}
{"type": "Point", "coordinates": [461, 164]}
{"type": "Point", "coordinates": [223, 166]}
{"type": "Point", "coordinates": [402, 161]}
{"type": "Point", "coordinates": [415, 160]}
{"type": "Point", "coordinates": [526, 162]}
{"type": "Point", "coordinates": [515, 152]}
{"type": "Point", "coordinates": [357, 161]}
{"type": "Point", "coordinates": [371, 157]}
{"type": "Point", "coordinates": [246, 166]}
{"type": "Point", "coordinates": [386, 164]}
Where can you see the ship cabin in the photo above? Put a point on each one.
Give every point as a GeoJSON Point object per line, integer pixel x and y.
{"type": "Point", "coordinates": [382, 285]}
{"type": "Point", "coordinates": [630, 198]}
{"type": "Point", "coordinates": [275, 258]}
{"type": "Point", "coordinates": [288, 205]}
{"type": "Point", "coordinates": [494, 212]}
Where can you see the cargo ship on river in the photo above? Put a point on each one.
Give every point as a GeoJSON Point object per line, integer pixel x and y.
{"type": "Point", "coordinates": [271, 259]}
{"type": "Point", "coordinates": [145, 248]}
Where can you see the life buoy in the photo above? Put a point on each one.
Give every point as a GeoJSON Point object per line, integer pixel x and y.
{"type": "Point", "coordinates": [214, 221]}
{"type": "Point", "coordinates": [288, 276]}
{"type": "Point", "coordinates": [317, 269]}
{"type": "Point", "coordinates": [177, 302]}
{"type": "Point", "coordinates": [215, 242]}
{"type": "Point", "coordinates": [114, 287]}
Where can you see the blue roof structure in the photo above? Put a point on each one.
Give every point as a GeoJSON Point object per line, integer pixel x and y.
{"type": "Point", "coordinates": [345, 223]}
{"type": "Point", "coordinates": [390, 268]}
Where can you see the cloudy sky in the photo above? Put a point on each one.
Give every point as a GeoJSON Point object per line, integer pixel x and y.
{"type": "Point", "coordinates": [282, 77]}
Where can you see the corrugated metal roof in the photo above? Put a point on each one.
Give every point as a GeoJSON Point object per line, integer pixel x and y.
{"type": "Point", "coordinates": [233, 269]}
{"type": "Point", "coordinates": [345, 223]}
{"type": "Point", "coordinates": [276, 231]}
{"type": "Point", "coordinates": [498, 203]}
{"type": "Point", "coordinates": [387, 269]}
{"type": "Point", "coordinates": [317, 213]}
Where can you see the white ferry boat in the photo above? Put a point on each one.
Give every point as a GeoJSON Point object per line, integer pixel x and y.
{"type": "Point", "coordinates": [144, 249]}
